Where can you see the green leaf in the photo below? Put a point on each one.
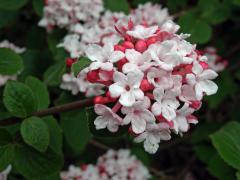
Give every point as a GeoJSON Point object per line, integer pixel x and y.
{"type": "Point", "coordinates": [19, 99]}
{"type": "Point", "coordinates": [33, 164]}
{"type": "Point", "coordinates": [218, 168]}
{"type": "Point", "coordinates": [238, 175]}
{"type": "Point", "coordinates": [226, 87]}
{"type": "Point", "coordinates": [120, 6]}
{"type": "Point", "coordinates": [12, 4]}
{"type": "Point", "coordinates": [80, 65]}
{"type": "Point", "coordinates": [38, 6]}
{"type": "Point", "coordinates": [10, 62]}
{"type": "Point", "coordinates": [55, 134]}
{"type": "Point", "coordinates": [103, 133]}
{"type": "Point", "coordinates": [5, 137]}
{"type": "Point", "coordinates": [141, 155]}
{"type": "Point", "coordinates": [53, 75]}
{"type": "Point", "coordinates": [236, 2]}
{"type": "Point", "coordinates": [75, 129]}
{"type": "Point", "coordinates": [6, 156]}
{"type": "Point", "coordinates": [7, 17]}
{"type": "Point", "coordinates": [216, 12]}
{"type": "Point", "coordinates": [40, 92]}
{"type": "Point", "coordinates": [227, 143]}
{"type": "Point", "coordinates": [203, 131]}
{"type": "Point", "coordinates": [53, 40]}
{"type": "Point", "coordinates": [200, 31]}
{"type": "Point", "coordinates": [203, 152]}
{"type": "Point", "coordinates": [35, 133]}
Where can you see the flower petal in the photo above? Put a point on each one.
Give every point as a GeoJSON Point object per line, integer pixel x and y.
{"type": "Point", "coordinates": [116, 90]}
{"type": "Point", "coordinates": [127, 99]}
{"type": "Point", "coordinates": [138, 125]}
{"type": "Point", "coordinates": [100, 122]}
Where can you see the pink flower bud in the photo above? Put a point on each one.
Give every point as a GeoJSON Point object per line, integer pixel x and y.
{"type": "Point", "coordinates": [141, 46]}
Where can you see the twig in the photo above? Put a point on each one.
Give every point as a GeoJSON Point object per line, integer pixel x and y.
{"type": "Point", "coordinates": [52, 111]}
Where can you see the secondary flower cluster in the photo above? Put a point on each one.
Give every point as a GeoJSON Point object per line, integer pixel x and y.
{"type": "Point", "coordinates": [103, 31]}
{"type": "Point", "coordinates": [154, 78]}
{"type": "Point", "coordinates": [114, 165]}
{"type": "Point", "coordinates": [68, 13]}
{"type": "Point", "coordinates": [7, 44]}
{"type": "Point", "coordinates": [215, 62]}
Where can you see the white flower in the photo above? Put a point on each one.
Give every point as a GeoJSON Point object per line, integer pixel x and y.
{"type": "Point", "coordinates": [160, 78]}
{"type": "Point", "coordinates": [151, 14]}
{"type": "Point", "coordinates": [165, 54]}
{"type": "Point", "coordinates": [136, 60]}
{"type": "Point", "coordinates": [153, 135]}
{"type": "Point", "coordinates": [71, 43]}
{"type": "Point", "coordinates": [166, 104]}
{"type": "Point", "coordinates": [127, 87]}
{"type": "Point", "coordinates": [181, 123]}
{"type": "Point", "coordinates": [16, 49]}
{"type": "Point", "coordinates": [70, 83]}
{"type": "Point", "coordinates": [4, 173]}
{"type": "Point", "coordinates": [170, 27]}
{"type": "Point", "coordinates": [5, 78]}
{"type": "Point", "coordinates": [107, 118]}
{"type": "Point", "coordinates": [103, 57]}
{"type": "Point", "coordinates": [201, 80]}
{"type": "Point", "coordinates": [138, 115]}
{"type": "Point", "coordinates": [141, 32]}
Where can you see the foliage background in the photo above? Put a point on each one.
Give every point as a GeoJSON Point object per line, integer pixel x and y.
{"type": "Point", "coordinates": [40, 148]}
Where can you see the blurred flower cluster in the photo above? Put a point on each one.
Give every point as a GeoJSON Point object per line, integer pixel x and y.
{"type": "Point", "coordinates": [114, 165]}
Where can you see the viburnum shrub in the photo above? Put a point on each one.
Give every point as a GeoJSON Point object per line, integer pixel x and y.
{"type": "Point", "coordinates": [110, 166]}
{"type": "Point", "coordinates": [112, 90]}
{"type": "Point", "coordinates": [154, 78]}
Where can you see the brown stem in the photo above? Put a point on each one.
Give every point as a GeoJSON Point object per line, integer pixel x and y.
{"type": "Point", "coordinates": [52, 111]}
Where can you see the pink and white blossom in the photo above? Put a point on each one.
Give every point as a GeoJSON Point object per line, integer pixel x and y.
{"type": "Point", "coordinates": [138, 115]}
{"type": "Point", "coordinates": [107, 118]}
{"type": "Point", "coordinates": [127, 87]}
{"type": "Point", "coordinates": [153, 135]}
{"type": "Point", "coordinates": [148, 75]}
{"type": "Point", "coordinates": [113, 165]}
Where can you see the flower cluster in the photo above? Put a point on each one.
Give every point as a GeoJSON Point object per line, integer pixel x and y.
{"type": "Point", "coordinates": [70, 13]}
{"type": "Point", "coordinates": [155, 78]}
{"type": "Point", "coordinates": [114, 165]}
{"type": "Point", "coordinates": [7, 44]}
{"type": "Point", "coordinates": [103, 31]}
{"type": "Point", "coordinates": [4, 174]}
{"type": "Point", "coordinates": [215, 62]}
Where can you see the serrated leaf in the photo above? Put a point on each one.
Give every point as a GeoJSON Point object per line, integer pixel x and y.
{"type": "Point", "coordinates": [6, 156]}
{"type": "Point", "coordinates": [33, 164]}
{"type": "Point", "coordinates": [203, 131]}
{"type": "Point", "coordinates": [53, 75]}
{"type": "Point", "coordinates": [203, 152]}
{"type": "Point", "coordinates": [218, 168]}
{"type": "Point", "coordinates": [19, 99]}
{"type": "Point", "coordinates": [75, 129]}
{"type": "Point", "coordinates": [12, 4]}
{"type": "Point", "coordinates": [200, 31]}
{"type": "Point", "coordinates": [10, 62]}
{"type": "Point", "coordinates": [227, 143]}
{"type": "Point", "coordinates": [120, 6]}
{"type": "Point", "coordinates": [80, 65]}
{"type": "Point", "coordinates": [40, 92]}
{"type": "Point", "coordinates": [55, 134]}
{"type": "Point", "coordinates": [35, 133]}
